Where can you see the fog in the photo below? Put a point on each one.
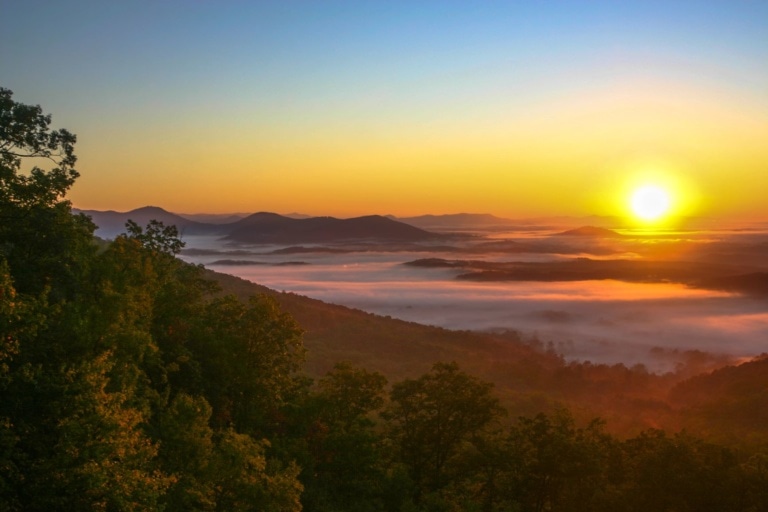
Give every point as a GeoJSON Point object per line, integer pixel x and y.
{"type": "Point", "coordinates": [604, 321]}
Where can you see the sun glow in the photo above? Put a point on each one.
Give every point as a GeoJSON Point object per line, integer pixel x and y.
{"type": "Point", "coordinates": [650, 202]}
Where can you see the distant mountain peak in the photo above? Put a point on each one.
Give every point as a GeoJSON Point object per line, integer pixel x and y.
{"type": "Point", "coordinates": [150, 209]}
{"type": "Point", "coordinates": [455, 221]}
{"type": "Point", "coordinates": [112, 223]}
{"type": "Point", "coordinates": [269, 228]}
{"type": "Point", "coordinates": [591, 231]}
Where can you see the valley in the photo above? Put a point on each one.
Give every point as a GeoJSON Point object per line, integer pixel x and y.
{"type": "Point", "coordinates": [604, 295]}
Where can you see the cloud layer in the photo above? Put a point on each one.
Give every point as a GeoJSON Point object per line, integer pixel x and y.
{"type": "Point", "coordinates": [600, 321]}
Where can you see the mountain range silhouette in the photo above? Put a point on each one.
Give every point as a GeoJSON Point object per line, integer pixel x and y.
{"type": "Point", "coordinates": [268, 228]}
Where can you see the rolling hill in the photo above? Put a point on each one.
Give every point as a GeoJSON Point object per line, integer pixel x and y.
{"type": "Point", "coordinates": [456, 221]}
{"type": "Point", "coordinates": [591, 231]}
{"type": "Point", "coordinates": [270, 228]}
{"type": "Point", "coordinates": [111, 223]}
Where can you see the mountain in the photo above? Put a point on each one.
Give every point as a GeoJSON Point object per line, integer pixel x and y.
{"type": "Point", "coordinates": [755, 284]}
{"type": "Point", "coordinates": [111, 223]}
{"type": "Point", "coordinates": [214, 218]}
{"type": "Point", "coordinates": [455, 221]}
{"type": "Point", "coordinates": [591, 231]}
{"type": "Point", "coordinates": [230, 218]}
{"type": "Point", "coordinates": [271, 228]}
{"type": "Point", "coordinates": [265, 227]}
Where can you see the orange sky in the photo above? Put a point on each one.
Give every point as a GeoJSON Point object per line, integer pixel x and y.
{"type": "Point", "coordinates": [524, 110]}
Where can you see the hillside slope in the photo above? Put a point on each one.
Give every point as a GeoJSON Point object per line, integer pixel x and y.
{"type": "Point", "coordinates": [394, 347]}
{"type": "Point", "coordinates": [528, 378]}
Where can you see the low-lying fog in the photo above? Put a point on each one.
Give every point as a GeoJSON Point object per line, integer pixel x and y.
{"type": "Point", "coordinates": [605, 321]}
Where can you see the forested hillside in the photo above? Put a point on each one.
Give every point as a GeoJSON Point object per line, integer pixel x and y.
{"type": "Point", "coordinates": [130, 380]}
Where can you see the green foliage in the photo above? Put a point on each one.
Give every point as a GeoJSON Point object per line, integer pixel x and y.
{"type": "Point", "coordinates": [249, 356]}
{"type": "Point", "coordinates": [560, 466]}
{"type": "Point", "coordinates": [12, 311]}
{"type": "Point", "coordinates": [156, 238]}
{"type": "Point", "coordinates": [102, 459]}
{"type": "Point", "coordinates": [25, 133]}
{"type": "Point", "coordinates": [186, 449]}
{"type": "Point", "coordinates": [39, 237]}
{"type": "Point", "coordinates": [729, 404]}
{"type": "Point", "coordinates": [105, 399]}
{"type": "Point", "coordinates": [434, 418]}
{"type": "Point", "coordinates": [349, 394]}
{"type": "Point", "coordinates": [246, 481]}
{"type": "Point", "coordinates": [680, 472]}
{"type": "Point", "coordinates": [342, 459]}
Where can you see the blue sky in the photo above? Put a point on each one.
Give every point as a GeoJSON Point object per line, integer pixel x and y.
{"type": "Point", "coordinates": [189, 84]}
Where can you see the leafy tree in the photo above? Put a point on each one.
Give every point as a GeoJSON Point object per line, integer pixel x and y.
{"type": "Point", "coordinates": [10, 315]}
{"type": "Point", "coordinates": [350, 394]}
{"type": "Point", "coordinates": [185, 452]}
{"type": "Point", "coordinates": [433, 418]}
{"type": "Point", "coordinates": [246, 481]}
{"type": "Point", "coordinates": [483, 475]}
{"type": "Point", "coordinates": [249, 356]}
{"type": "Point", "coordinates": [560, 466]}
{"type": "Point", "coordinates": [156, 237]}
{"type": "Point", "coordinates": [109, 360]}
{"type": "Point", "coordinates": [343, 466]}
{"type": "Point", "coordinates": [150, 300]}
{"type": "Point", "coordinates": [101, 459]}
{"type": "Point", "coordinates": [39, 237]}
{"type": "Point", "coordinates": [755, 481]}
{"type": "Point", "coordinates": [680, 473]}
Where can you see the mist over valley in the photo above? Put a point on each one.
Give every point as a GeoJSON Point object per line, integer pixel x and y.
{"type": "Point", "coordinates": [591, 293]}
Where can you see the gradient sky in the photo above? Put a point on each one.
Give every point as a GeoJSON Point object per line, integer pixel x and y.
{"type": "Point", "coordinates": [347, 108]}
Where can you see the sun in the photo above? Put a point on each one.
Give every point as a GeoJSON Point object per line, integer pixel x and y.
{"type": "Point", "coordinates": [650, 202]}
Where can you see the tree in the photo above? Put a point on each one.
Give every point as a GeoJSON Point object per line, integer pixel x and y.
{"type": "Point", "coordinates": [10, 315]}
{"type": "Point", "coordinates": [122, 383]}
{"type": "Point", "coordinates": [342, 466]}
{"type": "Point", "coordinates": [350, 394]}
{"type": "Point", "coordinates": [11, 312]}
{"type": "Point", "coordinates": [185, 452]}
{"type": "Point", "coordinates": [433, 418]}
{"type": "Point", "coordinates": [156, 237]}
{"type": "Point", "coordinates": [245, 480]}
{"type": "Point", "coordinates": [250, 354]}
{"type": "Point", "coordinates": [681, 472]}
{"type": "Point", "coordinates": [150, 302]}
{"type": "Point", "coordinates": [102, 459]}
{"type": "Point", "coordinates": [559, 465]}
{"type": "Point", "coordinates": [39, 237]}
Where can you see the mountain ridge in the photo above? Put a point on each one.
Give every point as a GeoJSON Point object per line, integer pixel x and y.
{"type": "Point", "coordinates": [266, 227]}
{"type": "Point", "coordinates": [590, 231]}
{"type": "Point", "coordinates": [278, 229]}
{"type": "Point", "coordinates": [112, 223]}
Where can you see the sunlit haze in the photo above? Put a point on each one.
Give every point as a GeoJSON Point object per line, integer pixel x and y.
{"type": "Point", "coordinates": [518, 109]}
{"type": "Point", "coordinates": [650, 202]}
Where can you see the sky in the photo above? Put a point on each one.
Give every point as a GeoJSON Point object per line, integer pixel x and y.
{"type": "Point", "coordinates": [516, 108]}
